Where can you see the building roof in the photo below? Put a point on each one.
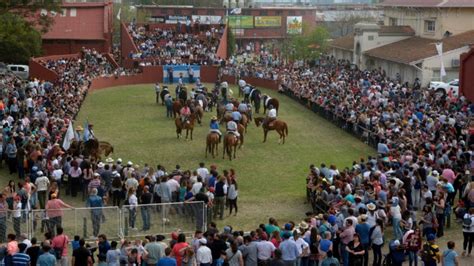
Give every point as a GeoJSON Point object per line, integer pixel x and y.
{"type": "Point", "coordinates": [345, 42]}
{"type": "Point", "coordinates": [429, 3]}
{"type": "Point", "coordinates": [396, 30]}
{"type": "Point", "coordinates": [416, 48]}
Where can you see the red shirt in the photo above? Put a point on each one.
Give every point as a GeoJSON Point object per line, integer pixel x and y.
{"type": "Point", "coordinates": [178, 251]}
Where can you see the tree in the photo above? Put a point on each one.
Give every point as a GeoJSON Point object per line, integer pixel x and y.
{"type": "Point", "coordinates": [230, 42]}
{"type": "Point", "coordinates": [18, 39]}
{"type": "Point", "coordinates": [309, 46]}
{"type": "Point", "coordinates": [29, 10]}
{"type": "Point", "coordinates": [344, 23]}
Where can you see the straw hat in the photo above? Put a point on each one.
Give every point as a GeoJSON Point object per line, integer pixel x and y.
{"type": "Point", "coordinates": [79, 128]}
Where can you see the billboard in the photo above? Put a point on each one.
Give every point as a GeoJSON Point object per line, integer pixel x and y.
{"type": "Point", "coordinates": [267, 21]}
{"type": "Point", "coordinates": [174, 19]}
{"type": "Point", "coordinates": [240, 22]}
{"type": "Point", "coordinates": [207, 19]}
{"type": "Point", "coordinates": [294, 24]}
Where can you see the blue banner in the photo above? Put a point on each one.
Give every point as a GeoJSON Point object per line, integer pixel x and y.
{"type": "Point", "coordinates": [181, 71]}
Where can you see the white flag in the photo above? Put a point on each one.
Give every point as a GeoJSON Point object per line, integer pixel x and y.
{"type": "Point", "coordinates": [118, 13]}
{"type": "Point", "coordinates": [439, 49]}
{"type": "Point", "coordinates": [236, 11]}
{"type": "Point", "coordinates": [69, 137]}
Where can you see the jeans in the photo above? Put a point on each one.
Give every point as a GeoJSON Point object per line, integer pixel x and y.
{"type": "Point", "coordinates": [468, 240]}
{"type": "Point", "coordinates": [377, 249]}
{"type": "Point", "coordinates": [145, 217]}
{"type": "Point", "coordinates": [42, 199]}
{"type": "Point", "coordinates": [219, 207]}
{"type": "Point", "coordinates": [75, 184]}
{"type": "Point", "coordinates": [441, 219]}
{"type": "Point", "coordinates": [233, 204]}
{"type": "Point", "coordinates": [54, 223]}
{"type": "Point", "coordinates": [415, 195]}
{"type": "Point", "coordinates": [17, 225]}
{"type": "Point", "coordinates": [96, 216]}
{"type": "Point", "coordinates": [62, 262]}
{"type": "Point", "coordinates": [344, 254]}
{"type": "Point", "coordinates": [413, 257]}
{"type": "Point", "coordinates": [132, 215]}
{"type": "Point", "coordinates": [397, 230]}
{"type": "Point", "coordinates": [366, 254]}
{"type": "Point", "coordinates": [3, 229]}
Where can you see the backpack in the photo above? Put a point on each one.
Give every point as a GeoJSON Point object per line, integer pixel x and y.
{"type": "Point", "coordinates": [427, 254]}
{"type": "Point", "coordinates": [467, 222]}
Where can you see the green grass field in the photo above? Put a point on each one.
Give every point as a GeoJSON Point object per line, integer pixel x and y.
{"type": "Point", "coordinates": [271, 177]}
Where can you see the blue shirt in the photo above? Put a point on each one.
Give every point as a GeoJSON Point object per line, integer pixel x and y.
{"type": "Point", "coordinates": [214, 125]}
{"type": "Point", "coordinates": [449, 257]}
{"type": "Point", "coordinates": [20, 259]}
{"type": "Point", "coordinates": [363, 231]}
{"type": "Point", "coordinates": [325, 244]}
{"type": "Point", "coordinates": [46, 259]}
{"type": "Point", "coordinates": [166, 261]}
{"type": "Point", "coordinates": [289, 250]}
{"type": "Point", "coordinates": [236, 116]}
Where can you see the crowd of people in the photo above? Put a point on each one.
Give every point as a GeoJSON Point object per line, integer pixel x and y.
{"type": "Point", "coordinates": [174, 46]}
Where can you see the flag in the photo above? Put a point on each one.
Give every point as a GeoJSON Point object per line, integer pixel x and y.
{"type": "Point", "coordinates": [118, 13]}
{"type": "Point", "coordinates": [69, 137]}
{"type": "Point", "coordinates": [87, 133]}
{"type": "Point", "coordinates": [442, 70]}
{"type": "Point", "coordinates": [236, 11]}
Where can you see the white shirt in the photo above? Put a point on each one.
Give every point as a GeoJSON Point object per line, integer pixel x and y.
{"type": "Point", "coordinates": [300, 245]}
{"type": "Point", "coordinates": [131, 183]}
{"type": "Point", "coordinates": [133, 201]}
{"type": "Point", "coordinates": [203, 172]}
{"type": "Point", "coordinates": [203, 255]}
{"type": "Point", "coordinates": [17, 210]}
{"type": "Point", "coordinates": [42, 183]}
{"type": "Point", "coordinates": [265, 250]}
{"type": "Point", "coordinates": [57, 174]}
{"type": "Point", "coordinates": [196, 188]}
{"type": "Point", "coordinates": [272, 113]}
{"type": "Point", "coordinates": [173, 184]}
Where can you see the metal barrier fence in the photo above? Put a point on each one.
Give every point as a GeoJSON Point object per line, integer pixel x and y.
{"type": "Point", "coordinates": [114, 222]}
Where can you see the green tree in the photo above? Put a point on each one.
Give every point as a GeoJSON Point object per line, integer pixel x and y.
{"type": "Point", "coordinates": [19, 40]}
{"type": "Point", "coordinates": [29, 10]}
{"type": "Point", "coordinates": [309, 46]}
{"type": "Point", "coordinates": [230, 42]}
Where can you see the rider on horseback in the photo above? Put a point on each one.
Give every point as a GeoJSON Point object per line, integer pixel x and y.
{"type": "Point", "coordinates": [185, 113]}
{"type": "Point", "coordinates": [214, 127]}
{"type": "Point", "coordinates": [271, 116]}
{"type": "Point", "coordinates": [247, 89]}
{"type": "Point", "coordinates": [232, 128]}
{"type": "Point", "coordinates": [236, 116]}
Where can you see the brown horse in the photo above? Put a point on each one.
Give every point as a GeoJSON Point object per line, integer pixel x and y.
{"type": "Point", "coordinates": [241, 130]}
{"type": "Point", "coordinates": [212, 144]}
{"type": "Point", "coordinates": [199, 112]}
{"type": "Point", "coordinates": [188, 125]}
{"type": "Point", "coordinates": [177, 105]}
{"type": "Point", "coordinates": [106, 148]}
{"type": "Point", "coordinates": [244, 121]}
{"type": "Point", "coordinates": [267, 101]}
{"type": "Point", "coordinates": [230, 145]}
{"type": "Point", "coordinates": [279, 126]}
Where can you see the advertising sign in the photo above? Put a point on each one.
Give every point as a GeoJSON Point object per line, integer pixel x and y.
{"type": "Point", "coordinates": [241, 22]}
{"type": "Point", "coordinates": [267, 21]}
{"type": "Point", "coordinates": [207, 20]}
{"type": "Point", "coordinates": [176, 70]}
{"type": "Point", "coordinates": [175, 19]}
{"type": "Point", "coordinates": [294, 24]}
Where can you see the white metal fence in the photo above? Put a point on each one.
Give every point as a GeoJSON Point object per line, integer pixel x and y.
{"type": "Point", "coordinates": [114, 222]}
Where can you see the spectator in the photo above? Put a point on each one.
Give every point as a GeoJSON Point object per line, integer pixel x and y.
{"type": "Point", "coordinates": [81, 256]}
{"type": "Point", "coordinates": [59, 245]}
{"type": "Point", "coordinates": [47, 259]}
{"type": "Point", "coordinates": [167, 260]}
{"type": "Point", "coordinates": [450, 257]}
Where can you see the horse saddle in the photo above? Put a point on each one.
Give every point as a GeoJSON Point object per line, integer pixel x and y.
{"type": "Point", "coordinates": [270, 123]}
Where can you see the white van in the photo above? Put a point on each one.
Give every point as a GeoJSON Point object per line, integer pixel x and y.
{"type": "Point", "coordinates": [22, 71]}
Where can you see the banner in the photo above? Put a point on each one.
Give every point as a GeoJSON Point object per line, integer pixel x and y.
{"type": "Point", "coordinates": [174, 19]}
{"type": "Point", "coordinates": [267, 21]}
{"type": "Point", "coordinates": [240, 22]}
{"type": "Point", "coordinates": [294, 24]}
{"type": "Point", "coordinates": [207, 20]}
{"type": "Point", "coordinates": [69, 137]}
{"type": "Point", "coordinates": [180, 70]}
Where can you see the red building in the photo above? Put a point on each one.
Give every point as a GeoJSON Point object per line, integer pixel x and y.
{"type": "Point", "coordinates": [80, 25]}
{"type": "Point", "coordinates": [252, 24]}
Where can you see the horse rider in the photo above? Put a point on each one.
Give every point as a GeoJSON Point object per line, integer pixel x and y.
{"type": "Point", "coordinates": [77, 133]}
{"type": "Point", "coordinates": [271, 116]}
{"type": "Point", "coordinates": [236, 116]}
{"type": "Point", "coordinates": [157, 91]}
{"type": "Point", "coordinates": [247, 89]}
{"type": "Point", "coordinates": [229, 107]}
{"type": "Point", "coordinates": [214, 127]}
{"type": "Point", "coordinates": [243, 107]}
{"type": "Point", "coordinates": [242, 84]}
{"type": "Point", "coordinates": [185, 113]}
{"type": "Point", "coordinates": [224, 89]}
{"type": "Point", "coordinates": [232, 128]}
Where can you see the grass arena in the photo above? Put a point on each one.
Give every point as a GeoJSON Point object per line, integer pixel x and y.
{"type": "Point", "coordinates": [271, 176]}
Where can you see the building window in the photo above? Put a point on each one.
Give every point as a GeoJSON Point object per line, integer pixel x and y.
{"type": "Point", "coordinates": [263, 13]}
{"type": "Point", "coordinates": [63, 12]}
{"type": "Point", "coordinates": [371, 37]}
{"type": "Point", "coordinates": [73, 12]}
{"type": "Point", "coordinates": [430, 26]}
{"type": "Point", "coordinates": [393, 21]}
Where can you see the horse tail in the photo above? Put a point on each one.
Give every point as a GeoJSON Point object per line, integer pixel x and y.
{"type": "Point", "coordinates": [286, 129]}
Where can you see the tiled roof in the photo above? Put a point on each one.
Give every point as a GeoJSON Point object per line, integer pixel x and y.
{"type": "Point", "coordinates": [428, 3]}
{"type": "Point", "coordinates": [346, 42]}
{"type": "Point", "coordinates": [396, 30]}
{"type": "Point", "coordinates": [416, 48]}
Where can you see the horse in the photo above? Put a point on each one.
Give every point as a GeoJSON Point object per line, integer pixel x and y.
{"type": "Point", "coordinates": [220, 112]}
{"type": "Point", "coordinates": [255, 98]}
{"type": "Point", "coordinates": [91, 148]}
{"type": "Point", "coordinates": [279, 126]}
{"type": "Point", "coordinates": [244, 121]}
{"type": "Point", "coordinates": [241, 130]}
{"type": "Point", "coordinates": [106, 147]}
{"type": "Point", "coordinates": [267, 101]}
{"type": "Point", "coordinates": [212, 144]}
{"type": "Point", "coordinates": [197, 109]}
{"type": "Point", "coordinates": [177, 105]}
{"type": "Point", "coordinates": [163, 94]}
{"type": "Point", "coordinates": [230, 143]}
{"type": "Point", "coordinates": [188, 125]}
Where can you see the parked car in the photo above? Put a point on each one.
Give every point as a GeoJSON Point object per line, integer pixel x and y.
{"type": "Point", "coordinates": [445, 87]}
{"type": "Point", "coordinates": [22, 71]}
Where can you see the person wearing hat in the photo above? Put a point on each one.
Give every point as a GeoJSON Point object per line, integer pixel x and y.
{"type": "Point", "coordinates": [77, 133]}
{"type": "Point", "coordinates": [214, 127]}
{"type": "Point", "coordinates": [430, 254]}
{"type": "Point", "coordinates": [95, 203]}
{"type": "Point", "coordinates": [363, 229]}
{"type": "Point", "coordinates": [55, 213]}
{"type": "Point", "coordinates": [42, 185]}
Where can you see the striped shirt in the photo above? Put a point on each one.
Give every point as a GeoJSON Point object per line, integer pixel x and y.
{"type": "Point", "coordinates": [20, 259]}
